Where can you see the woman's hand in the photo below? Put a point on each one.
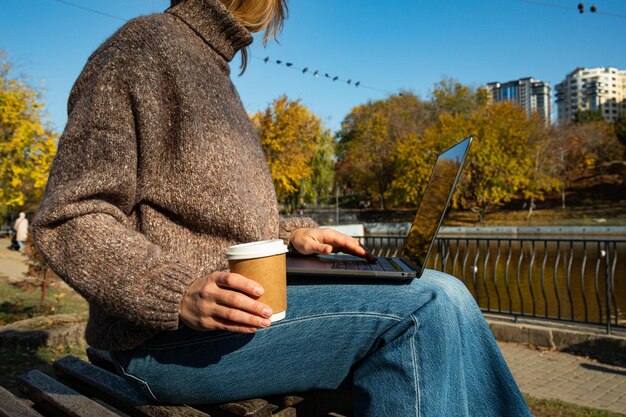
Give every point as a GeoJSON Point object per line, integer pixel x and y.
{"type": "Point", "coordinates": [224, 301]}
{"type": "Point", "coordinates": [324, 241]}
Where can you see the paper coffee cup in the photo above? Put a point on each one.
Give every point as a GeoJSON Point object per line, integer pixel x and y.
{"type": "Point", "coordinates": [265, 263]}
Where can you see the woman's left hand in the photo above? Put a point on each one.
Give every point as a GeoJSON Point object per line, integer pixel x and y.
{"type": "Point", "coordinates": [308, 241]}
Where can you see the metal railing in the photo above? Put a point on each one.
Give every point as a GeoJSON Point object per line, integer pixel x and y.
{"type": "Point", "coordinates": [579, 280]}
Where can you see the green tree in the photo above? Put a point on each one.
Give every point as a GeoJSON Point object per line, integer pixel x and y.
{"type": "Point", "coordinates": [27, 146]}
{"type": "Point", "coordinates": [586, 116]}
{"type": "Point", "coordinates": [450, 96]}
{"type": "Point", "coordinates": [290, 136]}
{"type": "Point", "coordinates": [318, 186]}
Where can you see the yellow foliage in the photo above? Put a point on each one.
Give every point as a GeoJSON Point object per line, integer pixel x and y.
{"type": "Point", "coordinates": [501, 159]}
{"type": "Point", "coordinates": [26, 146]}
{"type": "Point", "coordinates": [289, 135]}
{"type": "Point", "coordinates": [374, 137]}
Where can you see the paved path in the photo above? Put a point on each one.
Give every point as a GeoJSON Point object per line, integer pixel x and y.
{"type": "Point", "coordinates": [574, 379]}
{"type": "Point", "coordinates": [552, 375]}
{"type": "Point", "coordinates": [12, 263]}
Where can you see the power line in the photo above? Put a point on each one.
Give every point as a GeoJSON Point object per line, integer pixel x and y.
{"type": "Point", "coordinates": [304, 70]}
{"type": "Point", "coordinates": [593, 9]}
{"type": "Point", "coordinates": [78, 6]}
{"type": "Point", "coordinates": [319, 74]}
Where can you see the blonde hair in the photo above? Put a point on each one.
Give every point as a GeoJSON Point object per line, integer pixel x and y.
{"type": "Point", "coordinates": [258, 15]}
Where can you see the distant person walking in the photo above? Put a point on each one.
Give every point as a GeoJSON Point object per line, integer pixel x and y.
{"type": "Point", "coordinates": [21, 230]}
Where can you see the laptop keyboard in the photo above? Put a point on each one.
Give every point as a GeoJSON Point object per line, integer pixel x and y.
{"type": "Point", "coordinates": [381, 264]}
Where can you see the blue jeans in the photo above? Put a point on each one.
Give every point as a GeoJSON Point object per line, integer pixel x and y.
{"type": "Point", "coordinates": [408, 349]}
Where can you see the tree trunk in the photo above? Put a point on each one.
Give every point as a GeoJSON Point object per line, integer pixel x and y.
{"type": "Point", "coordinates": [531, 206]}
{"type": "Point", "coordinates": [383, 204]}
{"type": "Point", "coordinates": [44, 289]}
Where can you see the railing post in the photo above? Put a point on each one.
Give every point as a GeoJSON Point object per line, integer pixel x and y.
{"type": "Point", "coordinates": [607, 286]}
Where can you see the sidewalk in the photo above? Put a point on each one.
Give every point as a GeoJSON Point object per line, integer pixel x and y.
{"type": "Point", "coordinates": [565, 377]}
{"type": "Point", "coordinates": [12, 263]}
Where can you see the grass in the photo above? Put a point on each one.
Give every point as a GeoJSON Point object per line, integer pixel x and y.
{"type": "Point", "coordinates": [555, 408]}
{"type": "Point", "coordinates": [20, 304]}
{"type": "Point", "coordinates": [14, 363]}
{"type": "Point", "coordinates": [588, 214]}
{"type": "Point", "coordinates": [598, 215]}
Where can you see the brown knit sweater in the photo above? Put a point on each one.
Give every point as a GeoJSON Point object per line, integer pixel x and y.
{"type": "Point", "coordinates": [158, 171]}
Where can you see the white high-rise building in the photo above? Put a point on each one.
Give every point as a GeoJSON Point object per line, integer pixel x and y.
{"type": "Point", "coordinates": [533, 95]}
{"type": "Point", "coordinates": [584, 89]}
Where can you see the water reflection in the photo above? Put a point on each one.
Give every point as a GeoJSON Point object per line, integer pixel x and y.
{"type": "Point", "coordinates": [552, 279]}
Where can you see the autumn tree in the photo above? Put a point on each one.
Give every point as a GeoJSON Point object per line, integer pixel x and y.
{"type": "Point", "coordinates": [27, 146]}
{"type": "Point", "coordinates": [500, 161]}
{"type": "Point", "coordinates": [544, 164]}
{"type": "Point", "coordinates": [583, 149]}
{"type": "Point", "coordinates": [370, 141]}
{"type": "Point", "coordinates": [450, 96]}
{"type": "Point", "coordinates": [293, 139]}
{"type": "Point", "coordinates": [620, 130]}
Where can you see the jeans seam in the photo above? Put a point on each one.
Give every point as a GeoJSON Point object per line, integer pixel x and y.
{"type": "Point", "coordinates": [153, 348]}
{"type": "Point", "coordinates": [343, 314]}
{"type": "Point", "coordinates": [415, 370]}
{"type": "Point", "coordinates": [126, 375]}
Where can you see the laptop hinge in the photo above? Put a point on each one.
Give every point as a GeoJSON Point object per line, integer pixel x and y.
{"type": "Point", "coordinates": [411, 265]}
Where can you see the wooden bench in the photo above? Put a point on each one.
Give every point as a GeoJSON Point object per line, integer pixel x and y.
{"type": "Point", "coordinates": [93, 389]}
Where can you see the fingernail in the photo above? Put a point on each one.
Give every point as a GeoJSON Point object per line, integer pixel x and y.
{"type": "Point", "coordinates": [267, 312]}
{"type": "Point", "coordinates": [258, 290]}
{"type": "Point", "coordinates": [265, 323]}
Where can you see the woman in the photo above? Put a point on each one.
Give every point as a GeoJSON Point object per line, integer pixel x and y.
{"type": "Point", "coordinates": [21, 230]}
{"type": "Point", "coordinates": [159, 170]}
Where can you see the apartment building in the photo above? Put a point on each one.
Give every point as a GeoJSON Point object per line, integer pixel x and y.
{"type": "Point", "coordinates": [533, 95]}
{"type": "Point", "coordinates": [599, 88]}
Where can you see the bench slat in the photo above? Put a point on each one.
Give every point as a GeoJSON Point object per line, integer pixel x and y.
{"type": "Point", "coordinates": [255, 407]}
{"type": "Point", "coordinates": [286, 412]}
{"type": "Point", "coordinates": [115, 390]}
{"type": "Point", "coordinates": [249, 408]}
{"type": "Point", "coordinates": [101, 358]}
{"type": "Point", "coordinates": [45, 390]}
{"type": "Point", "coordinates": [11, 406]}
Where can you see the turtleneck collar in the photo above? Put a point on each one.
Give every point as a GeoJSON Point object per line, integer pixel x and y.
{"type": "Point", "coordinates": [214, 24]}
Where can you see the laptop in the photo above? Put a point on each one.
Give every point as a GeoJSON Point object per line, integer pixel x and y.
{"type": "Point", "coordinates": [419, 242]}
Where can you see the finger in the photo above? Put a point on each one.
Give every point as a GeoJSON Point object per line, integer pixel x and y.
{"type": "Point", "coordinates": [351, 245]}
{"type": "Point", "coordinates": [321, 248]}
{"type": "Point", "coordinates": [219, 323]}
{"type": "Point", "coordinates": [240, 283]}
{"type": "Point", "coordinates": [368, 255]}
{"type": "Point", "coordinates": [312, 245]}
{"type": "Point", "coordinates": [341, 241]}
{"type": "Point", "coordinates": [239, 317]}
{"type": "Point", "coordinates": [241, 301]}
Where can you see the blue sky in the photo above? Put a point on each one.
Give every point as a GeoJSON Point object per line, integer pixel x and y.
{"type": "Point", "coordinates": [404, 44]}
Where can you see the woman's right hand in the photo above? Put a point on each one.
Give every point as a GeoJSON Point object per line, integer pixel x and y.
{"type": "Point", "coordinates": [224, 301]}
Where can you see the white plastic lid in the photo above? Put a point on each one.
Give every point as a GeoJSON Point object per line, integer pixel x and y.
{"type": "Point", "coordinates": [253, 250]}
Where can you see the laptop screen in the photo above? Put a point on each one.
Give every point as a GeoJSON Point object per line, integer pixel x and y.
{"type": "Point", "coordinates": [435, 200]}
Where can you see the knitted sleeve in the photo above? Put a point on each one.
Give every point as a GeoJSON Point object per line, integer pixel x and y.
{"type": "Point", "coordinates": [83, 227]}
{"type": "Point", "coordinates": [289, 224]}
